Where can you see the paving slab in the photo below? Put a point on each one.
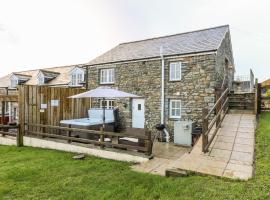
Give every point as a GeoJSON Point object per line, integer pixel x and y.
{"type": "Point", "coordinates": [230, 155]}
{"type": "Point", "coordinates": [249, 141]}
{"type": "Point", "coordinates": [165, 154]}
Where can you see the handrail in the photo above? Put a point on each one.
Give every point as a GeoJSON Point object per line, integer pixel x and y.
{"type": "Point", "coordinates": [217, 103]}
{"type": "Point", "coordinates": [219, 106]}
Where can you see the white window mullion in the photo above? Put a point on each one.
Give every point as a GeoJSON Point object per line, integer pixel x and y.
{"type": "Point", "coordinates": [107, 76]}
{"type": "Point", "coordinates": [175, 71]}
{"type": "Point", "coordinates": [175, 109]}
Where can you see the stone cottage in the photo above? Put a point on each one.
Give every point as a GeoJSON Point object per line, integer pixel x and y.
{"type": "Point", "coordinates": [175, 75]}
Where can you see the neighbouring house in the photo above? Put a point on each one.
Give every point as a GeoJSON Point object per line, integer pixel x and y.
{"type": "Point", "coordinates": [175, 75]}
{"type": "Point", "coordinates": [266, 83]}
{"type": "Point", "coordinates": [65, 76]}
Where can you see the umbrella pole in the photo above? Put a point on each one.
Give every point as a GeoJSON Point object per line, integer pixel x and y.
{"type": "Point", "coordinates": [103, 105]}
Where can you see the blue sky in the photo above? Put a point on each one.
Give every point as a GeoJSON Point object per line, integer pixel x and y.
{"type": "Point", "coordinates": [37, 34]}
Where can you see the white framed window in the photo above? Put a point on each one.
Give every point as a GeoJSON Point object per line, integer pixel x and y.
{"type": "Point", "coordinates": [73, 79]}
{"type": "Point", "coordinates": [40, 80]}
{"type": "Point", "coordinates": [175, 109]}
{"type": "Point", "coordinates": [13, 82]}
{"type": "Point", "coordinates": [175, 71]}
{"type": "Point", "coordinates": [76, 79]}
{"type": "Point", "coordinates": [79, 78]}
{"type": "Point", "coordinates": [107, 76]}
{"type": "Point", "coordinates": [109, 104]}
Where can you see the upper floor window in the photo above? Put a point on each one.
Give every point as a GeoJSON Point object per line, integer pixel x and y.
{"type": "Point", "coordinates": [40, 80]}
{"type": "Point", "coordinates": [175, 108]}
{"type": "Point", "coordinates": [77, 78]}
{"type": "Point", "coordinates": [13, 82]}
{"type": "Point", "coordinates": [175, 71]}
{"type": "Point", "coordinates": [107, 76]}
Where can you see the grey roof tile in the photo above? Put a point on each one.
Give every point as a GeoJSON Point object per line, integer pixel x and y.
{"type": "Point", "coordinates": [178, 44]}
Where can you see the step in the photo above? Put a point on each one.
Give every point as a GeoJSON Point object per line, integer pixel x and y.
{"type": "Point", "coordinates": [176, 173]}
{"type": "Point", "coordinates": [237, 111]}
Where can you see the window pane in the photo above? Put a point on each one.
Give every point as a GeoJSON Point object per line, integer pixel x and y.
{"type": "Point", "coordinates": [173, 112]}
{"type": "Point", "coordinates": [79, 79]}
{"type": "Point", "coordinates": [172, 71]}
{"type": "Point", "coordinates": [175, 71]}
{"type": "Point", "coordinates": [175, 108]}
{"type": "Point", "coordinates": [102, 79]}
{"type": "Point", "coordinates": [178, 112]}
{"type": "Point", "coordinates": [110, 75]}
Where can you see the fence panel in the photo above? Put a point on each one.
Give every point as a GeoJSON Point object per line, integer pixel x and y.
{"type": "Point", "coordinates": [50, 105]}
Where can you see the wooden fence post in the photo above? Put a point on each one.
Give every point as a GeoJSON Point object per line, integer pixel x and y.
{"type": "Point", "coordinates": [3, 113]}
{"type": "Point", "coordinates": [19, 137]}
{"type": "Point", "coordinates": [259, 100]}
{"type": "Point", "coordinates": [69, 133]}
{"type": "Point", "coordinates": [256, 97]}
{"type": "Point", "coordinates": [21, 125]}
{"type": "Point", "coordinates": [204, 129]}
{"type": "Point", "coordinates": [149, 143]}
{"type": "Point", "coordinates": [101, 137]}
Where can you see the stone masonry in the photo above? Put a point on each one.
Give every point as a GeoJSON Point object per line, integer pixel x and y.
{"type": "Point", "coordinates": [201, 75]}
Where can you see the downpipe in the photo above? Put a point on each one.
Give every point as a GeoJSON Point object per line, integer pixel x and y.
{"type": "Point", "coordinates": [167, 135]}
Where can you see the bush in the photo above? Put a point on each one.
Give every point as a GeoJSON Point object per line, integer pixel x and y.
{"type": "Point", "coordinates": [267, 94]}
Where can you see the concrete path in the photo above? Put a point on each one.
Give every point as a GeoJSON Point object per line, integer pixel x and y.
{"type": "Point", "coordinates": [165, 154]}
{"type": "Point", "coordinates": [231, 154]}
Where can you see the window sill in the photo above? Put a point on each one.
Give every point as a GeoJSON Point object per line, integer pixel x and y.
{"type": "Point", "coordinates": [107, 83]}
{"type": "Point", "coordinates": [175, 80]}
{"type": "Point", "coordinates": [174, 118]}
{"type": "Point", "coordinates": [75, 85]}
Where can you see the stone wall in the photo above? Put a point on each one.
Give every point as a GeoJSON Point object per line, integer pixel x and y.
{"type": "Point", "coordinates": [141, 78]}
{"type": "Point", "coordinates": [195, 90]}
{"type": "Point", "coordinates": [224, 53]}
{"type": "Point", "coordinates": [201, 74]}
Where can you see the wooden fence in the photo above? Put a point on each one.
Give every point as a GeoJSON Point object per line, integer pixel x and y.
{"type": "Point", "coordinates": [41, 108]}
{"type": "Point", "coordinates": [49, 105]}
{"type": "Point", "coordinates": [15, 132]}
{"type": "Point", "coordinates": [64, 133]}
{"type": "Point", "coordinates": [216, 114]}
{"type": "Point", "coordinates": [263, 98]}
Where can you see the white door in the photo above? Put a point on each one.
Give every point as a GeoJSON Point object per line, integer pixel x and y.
{"type": "Point", "coordinates": [138, 113]}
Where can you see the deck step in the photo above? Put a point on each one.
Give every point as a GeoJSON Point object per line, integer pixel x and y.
{"type": "Point", "coordinates": [237, 111]}
{"type": "Point", "coordinates": [242, 102]}
{"type": "Point", "coordinates": [176, 172]}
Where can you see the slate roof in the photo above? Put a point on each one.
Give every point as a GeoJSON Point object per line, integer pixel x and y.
{"type": "Point", "coordinates": [179, 44]}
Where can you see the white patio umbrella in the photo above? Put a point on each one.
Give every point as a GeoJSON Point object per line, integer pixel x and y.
{"type": "Point", "coordinates": [104, 93]}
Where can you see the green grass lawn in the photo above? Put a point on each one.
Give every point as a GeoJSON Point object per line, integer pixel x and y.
{"type": "Point", "coordinates": [31, 173]}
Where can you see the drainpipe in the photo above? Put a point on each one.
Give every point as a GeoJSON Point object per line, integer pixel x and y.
{"type": "Point", "coordinates": [162, 93]}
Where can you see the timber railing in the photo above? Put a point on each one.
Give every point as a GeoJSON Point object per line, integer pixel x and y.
{"type": "Point", "coordinates": [213, 118]}
{"type": "Point", "coordinates": [5, 131]}
{"type": "Point", "coordinates": [65, 133]}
